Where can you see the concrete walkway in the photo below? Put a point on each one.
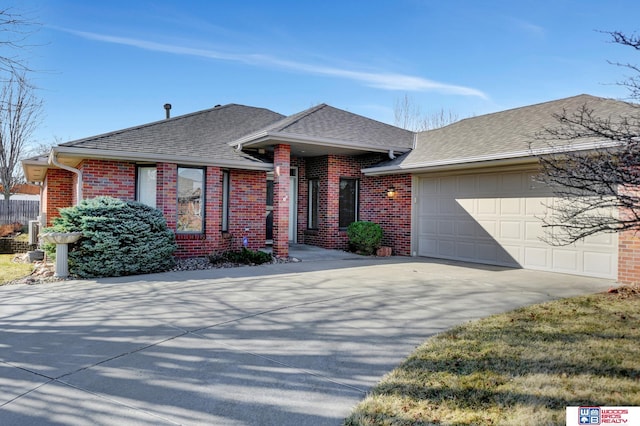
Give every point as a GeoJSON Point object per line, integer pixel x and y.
{"type": "Point", "coordinates": [287, 344]}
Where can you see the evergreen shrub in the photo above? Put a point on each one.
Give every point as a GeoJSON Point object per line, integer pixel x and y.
{"type": "Point", "coordinates": [118, 238]}
{"type": "Point", "coordinates": [364, 237]}
{"type": "Point", "coordinates": [243, 257]}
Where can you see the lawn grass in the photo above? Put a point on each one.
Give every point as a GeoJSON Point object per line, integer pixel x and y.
{"type": "Point", "coordinates": [521, 367]}
{"type": "Point", "coordinates": [12, 270]}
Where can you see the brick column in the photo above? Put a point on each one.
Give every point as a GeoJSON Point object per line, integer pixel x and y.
{"type": "Point", "coordinates": [281, 183]}
{"type": "Point", "coordinates": [167, 192]}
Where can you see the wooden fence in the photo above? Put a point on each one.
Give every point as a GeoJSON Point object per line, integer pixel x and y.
{"type": "Point", "coordinates": [19, 211]}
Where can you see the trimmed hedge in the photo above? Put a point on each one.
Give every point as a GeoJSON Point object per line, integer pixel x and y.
{"type": "Point", "coordinates": [364, 237]}
{"type": "Point", "coordinates": [119, 238]}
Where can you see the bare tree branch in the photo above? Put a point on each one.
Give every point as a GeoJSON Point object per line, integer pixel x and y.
{"type": "Point", "coordinates": [19, 116]}
{"type": "Point", "coordinates": [15, 29]}
{"type": "Point", "coordinates": [408, 115]}
{"type": "Point", "coordinates": [596, 190]}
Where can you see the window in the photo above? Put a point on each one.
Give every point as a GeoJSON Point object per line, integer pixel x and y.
{"type": "Point", "coordinates": [146, 185]}
{"type": "Point", "coordinates": [314, 203]}
{"type": "Point", "coordinates": [225, 201]}
{"type": "Point", "coordinates": [190, 200]}
{"type": "Point", "coordinates": [348, 202]}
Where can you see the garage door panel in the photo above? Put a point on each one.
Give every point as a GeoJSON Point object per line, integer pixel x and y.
{"type": "Point", "coordinates": [465, 250]}
{"type": "Point", "coordinates": [448, 206]}
{"type": "Point", "coordinates": [467, 228]}
{"type": "Point", "coordinates": [510, 206]}
{"type": "Point", "coordinates": [447, 249]}
{"type": "Point", "coordinates": [510, 229]}
{"type": "Point", "coordinates": [488, 206]}
{"type": "Point", "coordinates": [495, 218]}
{"type": "Point", "coordinates": [488, 184]}
{"type": "Point", "coordinates": [533, 231]}
{"type": "Point", "coordinates": [599, 239]}
{"type": "Point", "coordinates": [511, 183]}
{"type": "Point", "coordinates": [535, 206]}
{"type": "Point", "coordinates": [489, 226]}
{"type": "Point", "coordinates": [446, 228]}
{"type": "Point", "coordinates": [536, 257]}
{"type": "Point", "coordinates": [467, 185]}
{"type": "Point", "coordinates": [512, 255]}
{"type": "Point", "coordinates": [487, 253]}
{"type": "Point", "coordinates": [565, 260]}
{"type": "Point", "coordinates": [447, 185]}
{"type": "Point", "coordinates": [598, 264]}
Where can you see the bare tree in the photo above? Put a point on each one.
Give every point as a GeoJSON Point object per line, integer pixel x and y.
{"type": "Point", "coordinates": [19, 116]}
{"type": "Point", "coordinates": [597, 190]}
{"type": "Point", "coordinates": [408, 115]}
{"type": "Point", "coordinates": [15, 29]}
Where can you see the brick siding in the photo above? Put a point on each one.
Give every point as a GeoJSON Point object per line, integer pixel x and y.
{"type": "Point", "coordinates": [111, 178]}
{"type": "Point", "coordinates": [58, 192]}
{"type": "Point", "coordinates": [392, 214]}
{"type": "Point", "coordinates": [247, 208]}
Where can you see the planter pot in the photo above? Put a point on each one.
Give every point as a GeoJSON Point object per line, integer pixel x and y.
{"type": "Point", "coordinates": [383, 252]}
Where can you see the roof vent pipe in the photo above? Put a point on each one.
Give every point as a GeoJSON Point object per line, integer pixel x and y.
{"type": "Point", "coordinates": [167, 108]}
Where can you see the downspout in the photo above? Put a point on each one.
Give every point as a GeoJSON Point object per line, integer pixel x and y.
{"type": "Point", "coordinates": [392, 156]}
{"type": "Point", "coordinates": [53, 161]}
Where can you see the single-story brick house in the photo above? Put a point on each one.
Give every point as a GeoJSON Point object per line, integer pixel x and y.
{"type": "Point", "coordinates": [235, 175]}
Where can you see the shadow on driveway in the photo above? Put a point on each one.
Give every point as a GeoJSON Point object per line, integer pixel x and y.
{"type": "Point", "coordinates": [287, 344]}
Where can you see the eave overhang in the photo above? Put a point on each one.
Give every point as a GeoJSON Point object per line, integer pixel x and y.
{"type": "Point", "coordinates": [35, 171]}
{"type": "Point", "coordinates": [492, 160]}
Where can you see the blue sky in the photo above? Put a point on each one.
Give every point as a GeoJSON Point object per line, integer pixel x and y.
{"type": "Point", "coordinates": [109, 65]}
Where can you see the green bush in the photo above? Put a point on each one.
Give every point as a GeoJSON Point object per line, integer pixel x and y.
{"type": "Point", "coordinates": [118, 238]}
{"type": "Point", "coordinates": [364, 237]}
{"type": "Point", "coordinates": [244, 257]}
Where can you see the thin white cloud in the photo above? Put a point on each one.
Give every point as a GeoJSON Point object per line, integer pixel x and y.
{"type": "Point", "coordinates": [528, 27]}
{"type": "Point", "coordinates": [386, 81]}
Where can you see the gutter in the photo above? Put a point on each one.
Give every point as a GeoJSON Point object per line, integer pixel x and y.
{"type": "Point", "coordinates": [102, 154]}
{"type": "Point", "coordinates": [490, 159]}
{"type": "Point", "coordinates": [293, 138]}
{"type": "Point", "coordinates": [53, 161]}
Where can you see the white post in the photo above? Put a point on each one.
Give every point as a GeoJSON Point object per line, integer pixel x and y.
{"type": "Point", "coordinates": [62, 261]}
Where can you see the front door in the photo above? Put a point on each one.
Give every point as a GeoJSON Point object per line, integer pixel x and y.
{"type": "Point", "coordinates": [293, 206]}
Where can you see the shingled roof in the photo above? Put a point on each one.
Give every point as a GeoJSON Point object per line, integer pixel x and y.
{"type": "Point", "coordinates": [202, 136]}
{"type": "Point", "coordinates": [502, 135]}
{"type": "Point", "coordinates": [329, 126]}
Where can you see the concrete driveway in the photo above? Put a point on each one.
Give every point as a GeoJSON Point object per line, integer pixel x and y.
{"type": "Point", "coordinates": [289, 344]}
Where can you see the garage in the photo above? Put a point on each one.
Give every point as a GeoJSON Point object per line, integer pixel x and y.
{"type": "Point", "coordinates": [494, 218]}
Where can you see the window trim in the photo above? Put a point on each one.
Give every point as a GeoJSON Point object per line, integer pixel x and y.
{"type": "Point", "coordinates": [313, 207]}
{"type": "Point", "coordinates": [226, 187]}
{"type": "Point", "coordinates": [356, 213]}
{"type": "Point", "coordinates": [138, 174]}
{"type": "Point", "coordinates": [202, 201]}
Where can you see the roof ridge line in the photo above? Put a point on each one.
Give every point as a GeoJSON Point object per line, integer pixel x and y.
{"type": "Point", "coordinates": [153, 123]}
{"type": "Point", "coordinates": [301, 115]}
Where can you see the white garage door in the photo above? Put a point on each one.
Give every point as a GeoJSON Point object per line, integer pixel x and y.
{"type": "Point", "coordinates": [493, 218]}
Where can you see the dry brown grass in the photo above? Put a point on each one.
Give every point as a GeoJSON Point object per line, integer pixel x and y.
{"type": "Point", "coordinates": [522, 367]}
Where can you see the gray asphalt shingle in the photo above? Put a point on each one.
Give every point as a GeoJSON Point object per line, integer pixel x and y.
{"type": "Point", "coordinates": [203, 135]}
{"type": "Point", "coordinates": [502, 134]}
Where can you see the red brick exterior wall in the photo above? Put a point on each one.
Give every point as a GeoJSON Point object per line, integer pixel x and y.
{"type": "Point", "coordinates": [394, 215]}
{"type": "Point", "coordinates": [195, 245]}
{"type": "Point", "coordinates": [167, 192]}
{"type": "Point", "coordinates": [281, 191]}
{"type": "Point", "coordinates": [58, 192]}
{"type": "Point", "coordinates": [247, 208]}
{"type": "Point", "coordinates": [111, 178]}
{"type": "Point", "coordinates": [629, 257]}
{"type": "Point", "coordinates": [247, 200]}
